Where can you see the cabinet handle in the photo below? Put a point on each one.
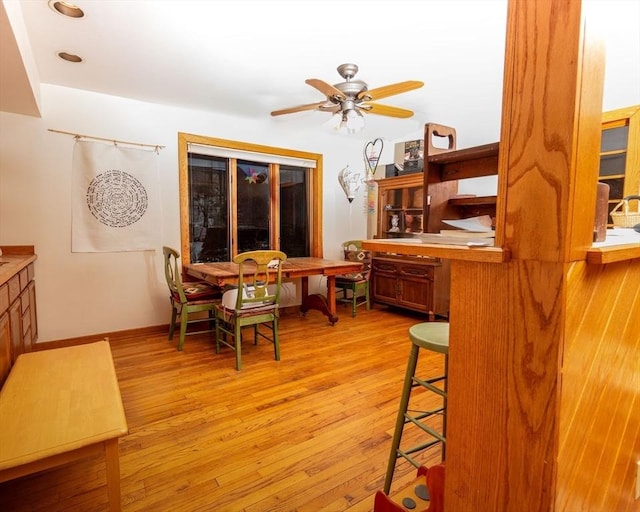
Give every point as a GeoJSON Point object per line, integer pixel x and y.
{"type": "Point", "coordinates": [415, 273]}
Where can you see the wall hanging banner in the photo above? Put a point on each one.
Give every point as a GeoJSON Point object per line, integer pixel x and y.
{"type": "Point", "coordinates": [115, 201]}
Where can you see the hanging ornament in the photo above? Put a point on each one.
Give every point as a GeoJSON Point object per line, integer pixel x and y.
{"type": "Point", "coordinates": [372, 152]}
{"type": "Point", "coordinates": [350, 182]}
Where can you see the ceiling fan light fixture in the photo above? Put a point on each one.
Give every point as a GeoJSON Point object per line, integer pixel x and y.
{"type": "Point", "coordinates": [346, 121]}
{"type": "Point", "coordinates": [354, 121]}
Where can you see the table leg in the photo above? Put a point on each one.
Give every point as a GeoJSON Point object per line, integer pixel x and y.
{"type": "Point", "coordinates": [326, 305]}
{"type": "Point", "coordinates": [112, 459]}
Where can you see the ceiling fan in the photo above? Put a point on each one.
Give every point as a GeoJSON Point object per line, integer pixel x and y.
{"type": "Point", "coordinates": [352, 97]}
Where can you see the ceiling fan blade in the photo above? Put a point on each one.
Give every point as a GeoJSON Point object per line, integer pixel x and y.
{"type": "Point", "coordinates": [299, 108]}
{"type": "Point", "coordinates": [328, 90]}
{"type": "Point", "coordinates": [389, 90]}
{"type": "Point", "coordinates": [386, 110]}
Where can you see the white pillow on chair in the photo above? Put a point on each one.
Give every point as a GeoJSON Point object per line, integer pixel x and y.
{"type": "Point", "coordinates": [230, 297]}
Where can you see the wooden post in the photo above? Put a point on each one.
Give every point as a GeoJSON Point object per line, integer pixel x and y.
{"type": "Point", "coordinates": [508, 321]}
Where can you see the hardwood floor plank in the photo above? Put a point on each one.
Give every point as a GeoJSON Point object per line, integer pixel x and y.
{"type": "Point", "coordinates": [311, 432]}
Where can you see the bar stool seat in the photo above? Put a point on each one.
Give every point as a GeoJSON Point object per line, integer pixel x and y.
{"type": "Point", "coordinates": [433, 336]}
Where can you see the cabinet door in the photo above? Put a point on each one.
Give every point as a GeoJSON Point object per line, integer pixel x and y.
{"type": "Point", "coordinates": [385, 281]}
{"type": "Point", "coordinates": [385, 288]}
{"type": "Point", "coordinates": [620, 154]}
{"type": "Point", "coordinates": [415, 285]}
{"type": "Point", "coordinates": [5, 347]}
{"type": "Point", "coordinates": [32, 313]}
{"type": "Point", "coordinates": [15, 324]}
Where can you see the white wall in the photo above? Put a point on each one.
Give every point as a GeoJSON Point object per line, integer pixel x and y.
{"type": "Point", "coordinates": [90, 293]}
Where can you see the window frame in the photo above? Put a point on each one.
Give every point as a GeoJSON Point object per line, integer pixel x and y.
{"type": "Point", "coordinates": [315, 189]}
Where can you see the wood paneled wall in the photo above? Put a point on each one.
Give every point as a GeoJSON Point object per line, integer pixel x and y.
{"type": "Point", "coordinates": [599, 418]}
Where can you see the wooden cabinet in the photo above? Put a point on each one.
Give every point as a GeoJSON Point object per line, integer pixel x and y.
{"type": "Point", "coordinates": [400, 206]}
{"type": "Point", "coordinates": [405, 282]}
{"type": "Point", "coordinates": [19, 325]}
{"type": "Point", "coordinates": [620, 154]}
{"type": "Point", "coordinates": [409, 282]}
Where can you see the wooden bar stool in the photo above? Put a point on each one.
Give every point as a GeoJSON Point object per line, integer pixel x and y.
{"type": "Point", "coordinates": [432, 336]}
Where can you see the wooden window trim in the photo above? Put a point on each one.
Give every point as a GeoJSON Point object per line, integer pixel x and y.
{"type": "Point", "coordinates": [315, 194]}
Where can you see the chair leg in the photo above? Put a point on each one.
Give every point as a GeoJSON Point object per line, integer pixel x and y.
{"type": "Point", "coordinates": [172, 325]}
{"type": "Point", "coordinates": [276, 339]}
{"type": "Point", "coordinates": [354, 301]}
{"type": "Point", "coordinates": [184, 317]}
{"type": "Point", "coordinates": [400, 419]}
{"type": "Point", "coordinates": [238, 343]}
{"type": "Point", "coordinates": [217, 335]}
{"type": "Point", "coordinates": [366, 293]}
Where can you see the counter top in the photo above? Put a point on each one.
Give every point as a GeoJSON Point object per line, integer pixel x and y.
{"type": "Point", "coordinates": [621, 244]}
{"type": "Point", "coordinates": [451, 252]}
{"type": "Point", "coordinates": [14, 259]}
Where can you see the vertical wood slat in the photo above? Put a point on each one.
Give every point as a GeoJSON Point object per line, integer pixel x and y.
{"type": "Point", "coordinates": [548, 130]}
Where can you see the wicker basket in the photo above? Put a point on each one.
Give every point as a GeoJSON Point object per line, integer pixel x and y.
{"type": "Point", "coordinates": [625, 218]}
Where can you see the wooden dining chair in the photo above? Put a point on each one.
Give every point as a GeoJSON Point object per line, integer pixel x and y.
{"type": "Point", "coordinates": [353, 288]}
{"type": "Point", "coordinates": [254, 302]}
{"type": "Point", "coordinates": [188, 297]}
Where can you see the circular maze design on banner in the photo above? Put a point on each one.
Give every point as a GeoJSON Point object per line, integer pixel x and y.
{"type": "Point", "coordinates": [117, 199]}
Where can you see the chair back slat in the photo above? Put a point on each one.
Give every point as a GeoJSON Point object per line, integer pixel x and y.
{"type": "Point", "coordinates": [172, 271]}
{"type": "Point", "coordinates": [258, 270]}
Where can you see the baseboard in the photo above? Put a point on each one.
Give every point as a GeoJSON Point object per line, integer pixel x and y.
{"type": "Point", "coordinates": [113, 337]}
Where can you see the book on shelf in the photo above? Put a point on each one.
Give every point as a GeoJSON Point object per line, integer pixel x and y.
{"type": "Point", "coordinates": [439, 238]}
{"type": "Point", "coordinates": [463, 233]}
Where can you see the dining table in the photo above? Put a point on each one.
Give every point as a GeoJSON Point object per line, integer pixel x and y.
{"type": "Point", "coordinates": [223, 273]}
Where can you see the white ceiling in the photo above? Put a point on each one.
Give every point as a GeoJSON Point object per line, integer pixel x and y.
{"type": "Point", "coordinates": [247, 58]}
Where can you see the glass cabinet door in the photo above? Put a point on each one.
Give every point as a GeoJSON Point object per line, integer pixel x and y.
{"type": "Point", "coordinates": [401, 205]}
{"type": "Point", "coordinates": [620, 154]}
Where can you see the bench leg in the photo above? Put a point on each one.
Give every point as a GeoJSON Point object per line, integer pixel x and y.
{"type": "Point", "coordinates": [112, 459]}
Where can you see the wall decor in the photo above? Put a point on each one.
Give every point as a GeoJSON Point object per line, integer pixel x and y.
{"type": "Point", "coordinates": [350, 182]}
{"type": "Point", "coordinates": [115, 202]}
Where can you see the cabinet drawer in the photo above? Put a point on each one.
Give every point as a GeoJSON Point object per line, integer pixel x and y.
{"type": "Point", "coordinates": [24, 278]}
{"type": "Point", "coordinates": [24, 302]}
{"type": "Point", "coordinates": [31, 272]}
{"type": "Point", "coordinates": [26, 323]}
{"type": "Point", "coordinates": [384, 267]}
{"type": "Point", "coordinates": [417, 272]}
{"type": "Point", "coordinates": [14, 288]}
{"type": "Point", "coordinates": [4, 298]}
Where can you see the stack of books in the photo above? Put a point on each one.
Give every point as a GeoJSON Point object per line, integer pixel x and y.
{"type": "Point", "coordinates": [475, 231]}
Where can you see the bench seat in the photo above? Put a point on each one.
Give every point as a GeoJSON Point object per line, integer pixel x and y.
{"type": "Point", "coordinates": [61, 405]}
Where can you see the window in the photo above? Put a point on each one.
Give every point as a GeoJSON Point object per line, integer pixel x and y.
{"type": "Point", "coordinates": [237, 197]}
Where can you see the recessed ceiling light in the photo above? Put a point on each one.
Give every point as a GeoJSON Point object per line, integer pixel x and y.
{"type": "Point", "coordinates": [69, 57]}
{"type": "Point", "coordinates": [66, 9]}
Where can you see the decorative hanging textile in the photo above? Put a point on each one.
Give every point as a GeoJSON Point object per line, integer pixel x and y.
{"type": "Point", "coordinates": [115, 200]}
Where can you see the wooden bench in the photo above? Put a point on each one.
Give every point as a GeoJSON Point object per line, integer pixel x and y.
{"type": "Point", "coordinates": [58, 406]}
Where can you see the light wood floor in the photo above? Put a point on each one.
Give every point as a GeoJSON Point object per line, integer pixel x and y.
{"type": "Point", "coordinates": [311, 432]}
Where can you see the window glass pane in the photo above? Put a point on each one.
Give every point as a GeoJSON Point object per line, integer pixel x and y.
{"type": "Point", "coordinates": [254, 199]}
{"type": "Point", "coordinates": [294, 214]}
{"type": "Point", "coordinates": [612, 164]}
{"type": "Point", "coordinates": [614, 139]}
{"type": "Point", "coordinates": [616, 187]}
{"type": "Point", "coordinates": [209, 208]}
